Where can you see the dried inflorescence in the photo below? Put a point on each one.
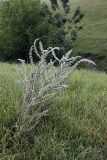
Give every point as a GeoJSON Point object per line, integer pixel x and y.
{"type": "Point", "coordinates": [44, 81]}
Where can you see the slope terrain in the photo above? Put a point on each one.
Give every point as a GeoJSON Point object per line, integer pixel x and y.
{"type": "Point", "coordinates": [75, 127]}
{"type": "Point", "coordinates": [92, 39]}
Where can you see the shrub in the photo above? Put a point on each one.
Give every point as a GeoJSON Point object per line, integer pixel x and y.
{"type": "Point", "coordinates": [43, 82]}
{"type": "Point", "coordinates": [20, 22]}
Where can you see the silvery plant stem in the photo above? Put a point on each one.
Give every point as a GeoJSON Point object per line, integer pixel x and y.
{"type": "Point", "coordinates": [43, 82]}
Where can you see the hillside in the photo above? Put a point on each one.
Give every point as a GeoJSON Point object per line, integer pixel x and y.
{"type": "Point", "coordinates": [75, 127]}
{"type": "Point", "coordinates": [93, 38]}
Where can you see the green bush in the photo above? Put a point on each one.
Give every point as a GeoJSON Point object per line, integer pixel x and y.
{"type": "Point", "coordinates": [22, 21]}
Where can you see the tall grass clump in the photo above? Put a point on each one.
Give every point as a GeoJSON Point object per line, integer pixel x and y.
{"type": "Point", "coordinates": [43, 81]}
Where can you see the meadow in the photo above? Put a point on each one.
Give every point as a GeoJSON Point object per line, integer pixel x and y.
{"type": "Point", "coordinates": [74, 129]}
{"type": "Point", "coordinates": [92, 39]}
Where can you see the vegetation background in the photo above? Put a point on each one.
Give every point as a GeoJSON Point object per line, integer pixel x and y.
{"type": "Point", "coordinates": [92, 40]}
{"type": "Point", "coordinates": [24, 21]}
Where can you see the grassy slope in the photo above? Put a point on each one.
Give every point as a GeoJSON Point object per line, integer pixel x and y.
{"type": "Point", "coordinates": [93, 39]}
{"type": "Point", "coordinates": [75, 128]}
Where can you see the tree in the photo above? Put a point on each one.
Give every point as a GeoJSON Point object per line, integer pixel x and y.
{"type": "Point", "coordinates": [68, 26]}
{"type": "Point", "coordinates": [54, 5]}
{"type": "Point", "coordinates": [21, 21]}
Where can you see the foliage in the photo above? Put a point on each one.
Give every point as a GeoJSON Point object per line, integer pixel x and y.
{"type": "Point", "coordinates": [54, 5]}
{"type": "Point", "coordinates": [67, 26]}
{"type": "Point", "coordinates": [21, 21]}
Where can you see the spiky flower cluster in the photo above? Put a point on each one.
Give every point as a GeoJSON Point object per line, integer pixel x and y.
{"type": "Point", "coordinates": [44, 81]}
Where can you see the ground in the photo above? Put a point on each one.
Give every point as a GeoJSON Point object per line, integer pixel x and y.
{"type": "Point", "coordinates": [75, 127]}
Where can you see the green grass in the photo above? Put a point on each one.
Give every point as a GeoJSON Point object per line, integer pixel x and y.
{"type": "Point", "coordinates": [74, 129]}
{"type": "Point", "coordinates": [93, 38]}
